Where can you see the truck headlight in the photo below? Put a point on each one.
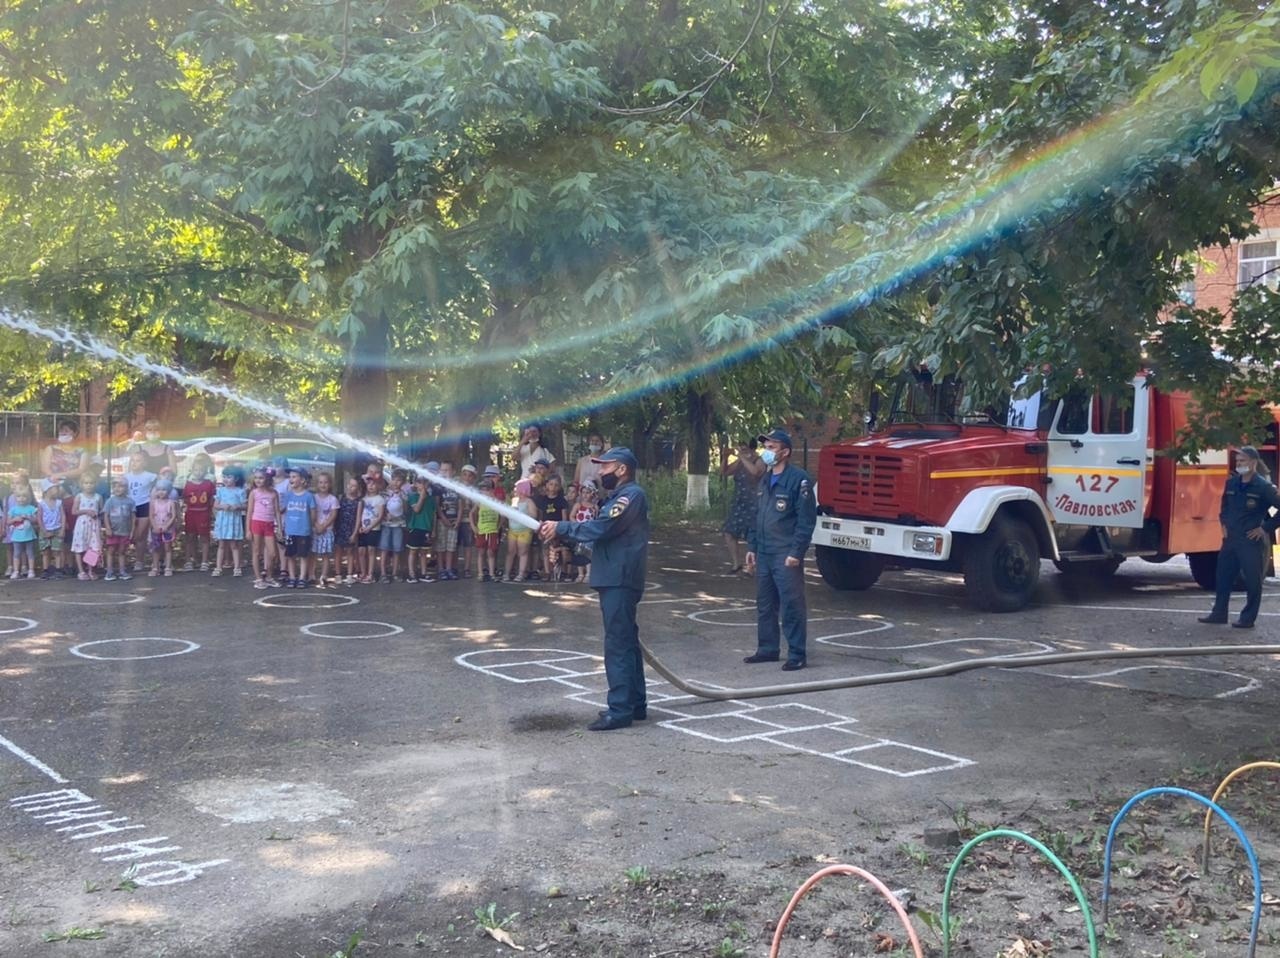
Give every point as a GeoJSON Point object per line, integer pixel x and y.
{"type": "Point", "coordinates": [926, 542]}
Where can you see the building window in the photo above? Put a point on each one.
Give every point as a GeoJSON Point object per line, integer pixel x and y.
{"type": "Point", "coordinates": [1260, 262]}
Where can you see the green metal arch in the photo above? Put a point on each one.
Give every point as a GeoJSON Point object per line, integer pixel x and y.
{"type": "Point", "coordinates": [1038, 846]}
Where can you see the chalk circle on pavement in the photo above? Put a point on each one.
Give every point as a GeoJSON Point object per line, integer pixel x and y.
{"type": "Point", "coordinates": [25, 624]}
{"type": "Point", "coordinates": [334, 629]}
{"type": "Point", "coordinates": [305, 600]}
{"type": "Point", "coordinates": [184, 646]}
{"type": "Point", "coordinates": [109, 598]}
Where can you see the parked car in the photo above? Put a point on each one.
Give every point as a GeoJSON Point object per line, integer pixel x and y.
{"type": "Point", "coordinates": [312, 454]}
{"type": "Point", "coordinates": [211, 446]}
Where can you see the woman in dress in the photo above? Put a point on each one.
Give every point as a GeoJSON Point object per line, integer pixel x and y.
{"type": "Point", "coordinates": [746, 470]}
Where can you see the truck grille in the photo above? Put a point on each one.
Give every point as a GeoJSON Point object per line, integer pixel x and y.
{"type": "Point", "coordinates": [867, 484]}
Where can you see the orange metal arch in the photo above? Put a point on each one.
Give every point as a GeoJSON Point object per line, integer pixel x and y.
{"type": "Point", "coordinates": [866, 876]}
{"type": "Point", "coordinates": [1222, 787]}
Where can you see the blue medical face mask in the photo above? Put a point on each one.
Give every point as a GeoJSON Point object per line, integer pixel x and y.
{"type": "Point", "coordinates": [768, 457]}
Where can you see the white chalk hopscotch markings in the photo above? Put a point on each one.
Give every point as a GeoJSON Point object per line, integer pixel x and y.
{"type": "Point", "coordinates": [789, 725]}
{"type": "Point", "coordinates": [78, 817]}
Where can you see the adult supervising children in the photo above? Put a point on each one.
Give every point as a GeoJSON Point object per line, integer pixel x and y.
{"type": "Point", "coordinates": [620, 535]}
{"type": "Point", "coordinates": [1247, 527]}
{"type": "Point", "coordinates": [776, 546]}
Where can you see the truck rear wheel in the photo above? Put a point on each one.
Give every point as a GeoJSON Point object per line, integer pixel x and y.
{"type": "Point", "coordinates": [1204, 569]}
{"type": "Point", "coordinates": [848, 571]}
{"type": "Point", "coordinates": [1002, 566]}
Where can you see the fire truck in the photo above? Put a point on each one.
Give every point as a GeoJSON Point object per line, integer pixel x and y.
{"type": "Point", "coordinates": [1080, 480]}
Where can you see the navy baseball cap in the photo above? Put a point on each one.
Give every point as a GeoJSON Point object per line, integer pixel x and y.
{"type": "Point", "coordinates": [776, 435]}
{"type": "Point", "coordinates": [618, 454]}
{"type": "Point", "coordinates": [301, 471]}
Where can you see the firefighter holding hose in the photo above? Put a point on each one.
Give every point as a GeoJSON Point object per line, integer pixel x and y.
{"type": "Point", "coordinates": [1247, 527]}
{"type": "Point", "coordinates": [620, 536]}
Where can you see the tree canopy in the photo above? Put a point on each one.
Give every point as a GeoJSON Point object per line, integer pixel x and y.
{"type": "Point", "coordinates": [468, 215]}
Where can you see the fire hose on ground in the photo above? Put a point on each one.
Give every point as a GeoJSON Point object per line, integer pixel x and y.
{"type": "Point", "coordinates": [948, 668]}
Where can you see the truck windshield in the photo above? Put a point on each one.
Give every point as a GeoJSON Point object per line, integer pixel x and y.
{"type": "Point", "coordinates": [919, 398]}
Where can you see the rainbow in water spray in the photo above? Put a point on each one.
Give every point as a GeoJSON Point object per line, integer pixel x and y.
{"type": "Point", "coordinates": [96, 347]}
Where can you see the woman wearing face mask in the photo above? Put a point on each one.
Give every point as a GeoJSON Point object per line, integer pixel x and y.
{"type": "Point", "coordinates": [1247, 529]}
{"type": "Point", "coordinates": [158, 453]}
{"type": "Point", "coordinates": [64, 457]}
{"type": "Point", "coordinates": [586, 470]}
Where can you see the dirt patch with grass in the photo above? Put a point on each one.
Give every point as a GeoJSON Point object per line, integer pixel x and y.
{"type": "Point", "coordinates": [1008, 899]}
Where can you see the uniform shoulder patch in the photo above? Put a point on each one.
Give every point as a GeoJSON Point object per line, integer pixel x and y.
{"type": "Point", "coordinates": [619, 507]}
{"type": "Point", "coordinates": [804, 487]}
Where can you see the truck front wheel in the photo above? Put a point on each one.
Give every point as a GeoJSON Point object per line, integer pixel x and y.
{"type": "Point", "coordinates": [848, 571]}
{"type": "Point", "coordinates": [1002, 566]}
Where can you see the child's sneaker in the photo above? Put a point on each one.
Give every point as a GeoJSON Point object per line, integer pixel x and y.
{"type": "Point", "coordinates": [273, 583]}
{"type": "Point", "coordinates": [31, 575]}
{"type": "Point", "coordinates": [204, 567]}
{"type": "Point", "coordinates": [168, 572]}
{"type": "Point", "coordinates": [189, 567]}
{"type": "Point", "coordinates": [302, 583]}
{"type": "Point", "coordinates": [486, 578]}
{"type": "Point", "coordinates": [259, 583]}
{"type": "Point", "coordinates": [216, 572]}
{"type": "Point", "coordinates": [124, 576]}
{"type": "Point", "coordinates": [109, 577]}
{"type": "Point", "coordinates": [237, 572]}
{"type": "Point", "coordinates": [386, 580]}
{"type": "Point", "coordinates": [137, 567]}
{"type": "Point", "coordinates": [411, 578]}
{"type": "Point", "coordinates": [427, 578]}
{"type": "Point", "coordinates": [13, 574]}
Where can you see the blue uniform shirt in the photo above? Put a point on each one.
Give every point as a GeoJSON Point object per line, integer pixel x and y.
{"type": "Point", "coordinates": [1248, 505]}
{"type": "Point", "coordinates": [786, 514]}
{"type": "Point", "coordinates": [620, 534]}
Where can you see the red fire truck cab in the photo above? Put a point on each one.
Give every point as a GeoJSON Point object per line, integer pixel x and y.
{"type": "Point", "coordinates": [1078, 480]}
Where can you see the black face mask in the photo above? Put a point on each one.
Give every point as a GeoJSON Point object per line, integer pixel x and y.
{"type": "Point", "coordinates": [609, 481]}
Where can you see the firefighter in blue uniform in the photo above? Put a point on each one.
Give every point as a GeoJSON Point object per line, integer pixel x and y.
{"type": "Point", "coordinates": [1247, 527]}
{"type": "Point", "coordinates": [620, 535]}
{"type": "Point", "coordinates": [776, 550]}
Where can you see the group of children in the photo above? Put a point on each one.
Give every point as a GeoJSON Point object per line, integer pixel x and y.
{"type": "Point", "coordinates": [298, 536]}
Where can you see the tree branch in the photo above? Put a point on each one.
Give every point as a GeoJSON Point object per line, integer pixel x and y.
{"type": "Point", "coordinates": [268, 316]}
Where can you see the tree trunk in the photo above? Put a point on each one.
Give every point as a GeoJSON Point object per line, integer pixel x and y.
{"type": "Point", "coordinates": [365, 388]}
{"type": "Point", "coordinates": [700, 407]}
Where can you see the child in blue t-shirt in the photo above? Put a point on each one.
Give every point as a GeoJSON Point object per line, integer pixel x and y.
{"type": "Point", "coordinates": [22, 534]}
{"type": "Point", "coordinates": [298, 518]}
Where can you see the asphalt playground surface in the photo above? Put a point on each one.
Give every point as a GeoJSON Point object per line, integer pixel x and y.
{"type": "Point", "coordinates": [256, 761]}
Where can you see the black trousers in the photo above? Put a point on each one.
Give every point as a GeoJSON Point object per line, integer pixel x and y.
{"type": "Point", "coordinates": [1246, 558]}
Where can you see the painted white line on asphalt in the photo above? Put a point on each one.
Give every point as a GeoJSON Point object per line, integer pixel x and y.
{"type": "Point", "coordinates": [1037, 646]}
{"type": "Point", "coordinates": [286, 600]}
{"type": "Point", "coordinates": [77, 598]}
{"type": "Point", "coordinates": [1248, 684]}
{"type": "Point", "coordinates": [386, 629]}
{"type": "Point", "coordinates": [29, 624]}
{"type": "Point", "coordinates": [31, 760]}
{"type": "Point", "coordinates": [187, 646]}
{"type": "Point", "coordinates": [1147, 608]}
